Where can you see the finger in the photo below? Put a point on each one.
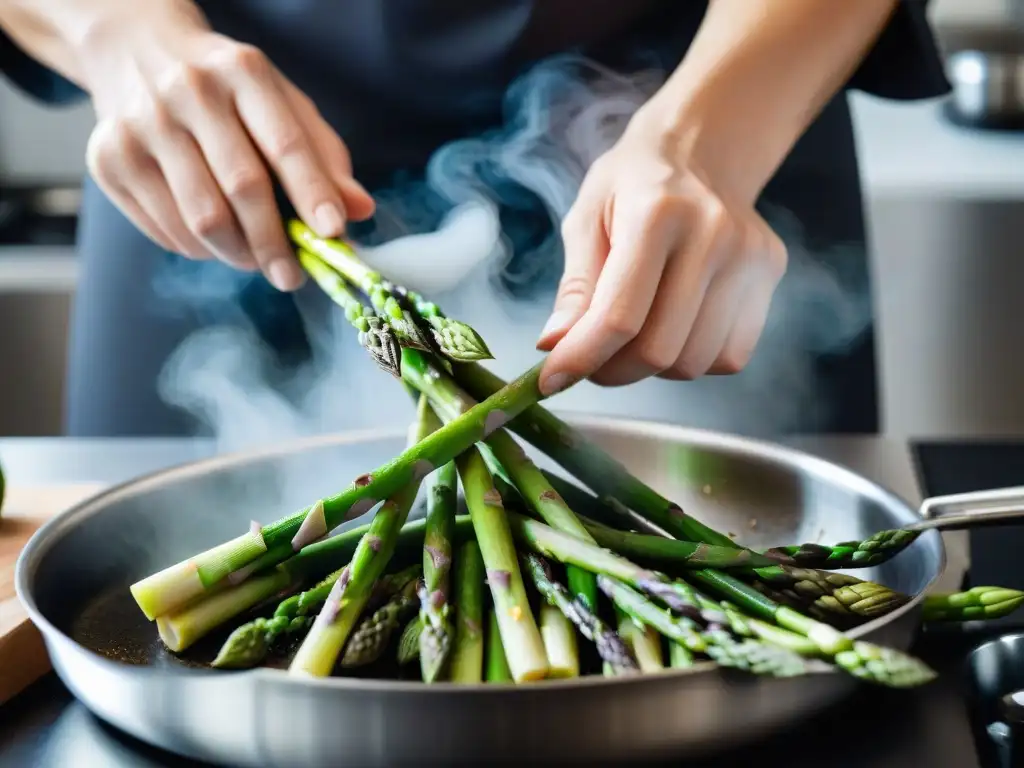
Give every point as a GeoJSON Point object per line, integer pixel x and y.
{"type": "Point", "coordinates": [586, 249]}
{"type": "Point", "coordinates": [746, 332]}
{"type": "Point", "coordinates": [104, 159]}
{"type": "Point", "coordinates": [674, 309]}
{"type": "Point", "coordinates": [199, 199]}
{"type": "Point", "coordinates": [712, 326]}
{"type": "Point", "coordinates": [245, 183]}
{"type": "Point", "coordinates": [334, 155]}
{"type": "Point", "coordinates": [283, 141]}
{"type": "Point", "coordinates": [620, 303]}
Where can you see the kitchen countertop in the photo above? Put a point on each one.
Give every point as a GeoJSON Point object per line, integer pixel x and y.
{"type": "Point", "coordinates": [46, 727]}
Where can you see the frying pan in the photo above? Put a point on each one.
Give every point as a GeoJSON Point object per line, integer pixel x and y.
{"type": "Point", "coordinates": [73, 578]}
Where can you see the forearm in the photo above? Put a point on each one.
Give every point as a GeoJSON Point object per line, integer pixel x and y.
{"type": "Point", "coordinates": [757, 74]}
{"type": "Point", "coordinates": [56, 32]}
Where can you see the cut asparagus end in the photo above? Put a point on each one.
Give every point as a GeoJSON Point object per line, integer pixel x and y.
{"type": "Point", "coordinates": [559, 638]}
{"type": "Point", "coordinates": [679, 657]}
{"type": "Point", "coordinates": [181, 629]}
{"type": "Point", "coordinates": [175, 586]}
{"type": "Point", "coordinates": [645, 642]}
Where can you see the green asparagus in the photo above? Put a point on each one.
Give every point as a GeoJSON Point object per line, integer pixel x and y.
{"type": "Point", "coordinates": [337, 618]}
{"type": "Point", "coordinates": [643, 641]}
{"type": "Point", "coordinates": [263, 546]}
{"type": "Point", "coordinates": [436, 636]}
{"type": "Point", "coordinates": [612, 650]}
{"type": "Point", "coordinates": [375, 334]}
{"type": "Point", "coordinates": [977, 604]}
{"type": "Point", "coordinates": [497, 664]}
{"type": "Point", "coordinates": [467, 659]}
{"type": "Point", "coordinates": [373, 635]}
{"type": "Point", "coordinates": [524, 647]}
{"type": "Point", "coordinates": [874, 550]}
{"type": "Point", "coordinates": [861, 659]}
{"type": "Point", "coordinates": [406, 312]}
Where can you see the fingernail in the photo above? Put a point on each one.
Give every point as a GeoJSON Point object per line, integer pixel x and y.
{"type": "Point", "coordinates": [285, 274]}
{"type": "Point", "coordinates": [557, 322]}
{"type": "Point", "coordinates": [555, 383]}
{"type": "Point", "coordinates": [329, 221]}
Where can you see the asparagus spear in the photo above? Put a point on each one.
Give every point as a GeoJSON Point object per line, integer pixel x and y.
{"type": "Point", "coordinates": [371, 638]}
{"type": "Point", "coordinates": [644, 641]}
{"type": "Point", "coordinates": [528, 480]}
{"type": "Point", "coordinates": [267, 545]}
{"type": "Point", "coordinates": [610, 647]}
{"type": "Point", "coordinates": [409, 641]}
{"type": "Point", "coordinates": [404, 309]}
{"type": "Point", "coordinates": [497, 664]}
{"type": "Point", "coordinates": [327, 637]}
{"type": "Point", "coordinates": [975, 604]}
{"type": "Point", "coordinates": [874, 550]}
{"type": "Point", "coordinates": [375, 334]}
{"type": "Point", "coordinates": [435, 637]}
{"type": "Point", "coordinates": [679, 657]}
{"type": "Point", "coordinates": [547, 541]}
{"type": "Point", "coordinates": [606, 476]}
{"type": "Point", "coordinates": [250, 643]}
{"type": "Point", "coordinates": [468, 650]}
{"type": "Point", "coordinates": [520, 636]}
{"type": "Point", "coordinates": [861, 659]}
{"type": "Point", "coordinates": [833, 593]}
{"type": "Point", "coordinates": [715, 640]}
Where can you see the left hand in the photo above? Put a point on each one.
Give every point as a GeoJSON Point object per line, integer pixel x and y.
{"type": "Point", "coordinates": [669, 272]}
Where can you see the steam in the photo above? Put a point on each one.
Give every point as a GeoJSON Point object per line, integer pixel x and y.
{"type": "Point", "coordinates": [479, 235]}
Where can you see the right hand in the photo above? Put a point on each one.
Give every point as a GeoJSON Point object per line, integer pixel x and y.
{"type": "Point", "coordinates": [190, 124]}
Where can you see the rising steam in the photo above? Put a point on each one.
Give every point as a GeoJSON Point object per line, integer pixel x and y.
{"type": "Point", "coordinates": [478, 235]}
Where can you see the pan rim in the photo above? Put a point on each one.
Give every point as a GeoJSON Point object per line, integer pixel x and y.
{"type": "Point", "coordinates": [50, 533]}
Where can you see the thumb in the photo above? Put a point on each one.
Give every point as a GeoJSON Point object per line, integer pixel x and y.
{"type": "Point", "coordinates": [586, 248]}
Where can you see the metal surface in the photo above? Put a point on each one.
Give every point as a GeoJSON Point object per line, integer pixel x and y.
{"type": "Point", "coordinates": [1000, 506]}
{"type": "Point", "coordinates": [988, 88]}
{"type": "Point", "coordinates": [995, 675]}
{"type": "Point", "coordinates": [262, 717]}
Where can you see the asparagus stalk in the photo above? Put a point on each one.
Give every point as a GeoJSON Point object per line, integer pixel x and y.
{"type": "Point", "coordinates": [373, 635]}
{"type": "Point", "coordinates": [327, 637]}
{"type": "Point", "coordinates": [527, 479]}
{"type": "Point", "coordinates": [833, 593]}
{"type": "Point", "coordinates": [497, 664]}
{"type": "Point", "coordinates": [375, 335]}
{"type": "Point", "coordinates": [404, 309]}
{"type": "Point", "coordinates": [547, 541]}
{"type": "Point", "coordinates": [644, 641]}
{"type": "Point", "coordinates": [250, 643]}
{"type": "Point", "coordinates": [979, 603]}
{"type": "Point", "coordinates": [715, 640]}
{"type": "Point", "coordinates": [581, 458]}
{"type": "Point", "coordinates": [861, 659]}
{"type": "Point", "coordinates": [679, 657]}
{"type": "Point", "coordinates": [468, 650]}
{"type": "Point", "coordinates": [435, 639]}
{"type": "Point", "coordinates": [524, 648]}
{"type": "Point", "coordinates": [872, 551]}
{"type": "Point", "coordinates": [268, 545]}
{"type": "Point", "coordinates": [611, 648]}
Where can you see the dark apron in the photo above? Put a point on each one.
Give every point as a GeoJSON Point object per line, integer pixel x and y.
{"type": "Point", "coordinates": [399, 79]}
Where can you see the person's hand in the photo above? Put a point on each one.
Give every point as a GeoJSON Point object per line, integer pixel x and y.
{"type": "Point", "coordinates": [191, 127]}
{"type": "Point", "coordinates": [666, 274]}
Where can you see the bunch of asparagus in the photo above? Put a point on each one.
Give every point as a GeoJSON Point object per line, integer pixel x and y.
{"type": "Point", "coordinates": [542, 578]}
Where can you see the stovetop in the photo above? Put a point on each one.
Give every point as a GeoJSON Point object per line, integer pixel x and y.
{"type": "Point", "coordinates": [872, 729]}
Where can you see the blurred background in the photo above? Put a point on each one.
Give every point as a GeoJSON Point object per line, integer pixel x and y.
{"type": "Point", "coordinates": [945, 203]}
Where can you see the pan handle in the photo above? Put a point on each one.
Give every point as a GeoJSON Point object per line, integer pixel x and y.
{"type": "Point", "coordinates": [1001, 506]}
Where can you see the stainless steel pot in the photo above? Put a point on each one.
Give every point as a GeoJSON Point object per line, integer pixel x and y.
{"type": "Point", "coordinates": [987, 88]}
{"type": "Point", "coordinates": [73, 578]}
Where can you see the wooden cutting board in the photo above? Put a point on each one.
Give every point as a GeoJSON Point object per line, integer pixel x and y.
{"type": "Point", "coordinates": [23, 657]}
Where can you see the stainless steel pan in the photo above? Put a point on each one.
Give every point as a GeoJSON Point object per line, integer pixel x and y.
{"type": "Point", "coordinates": [74, 574]}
